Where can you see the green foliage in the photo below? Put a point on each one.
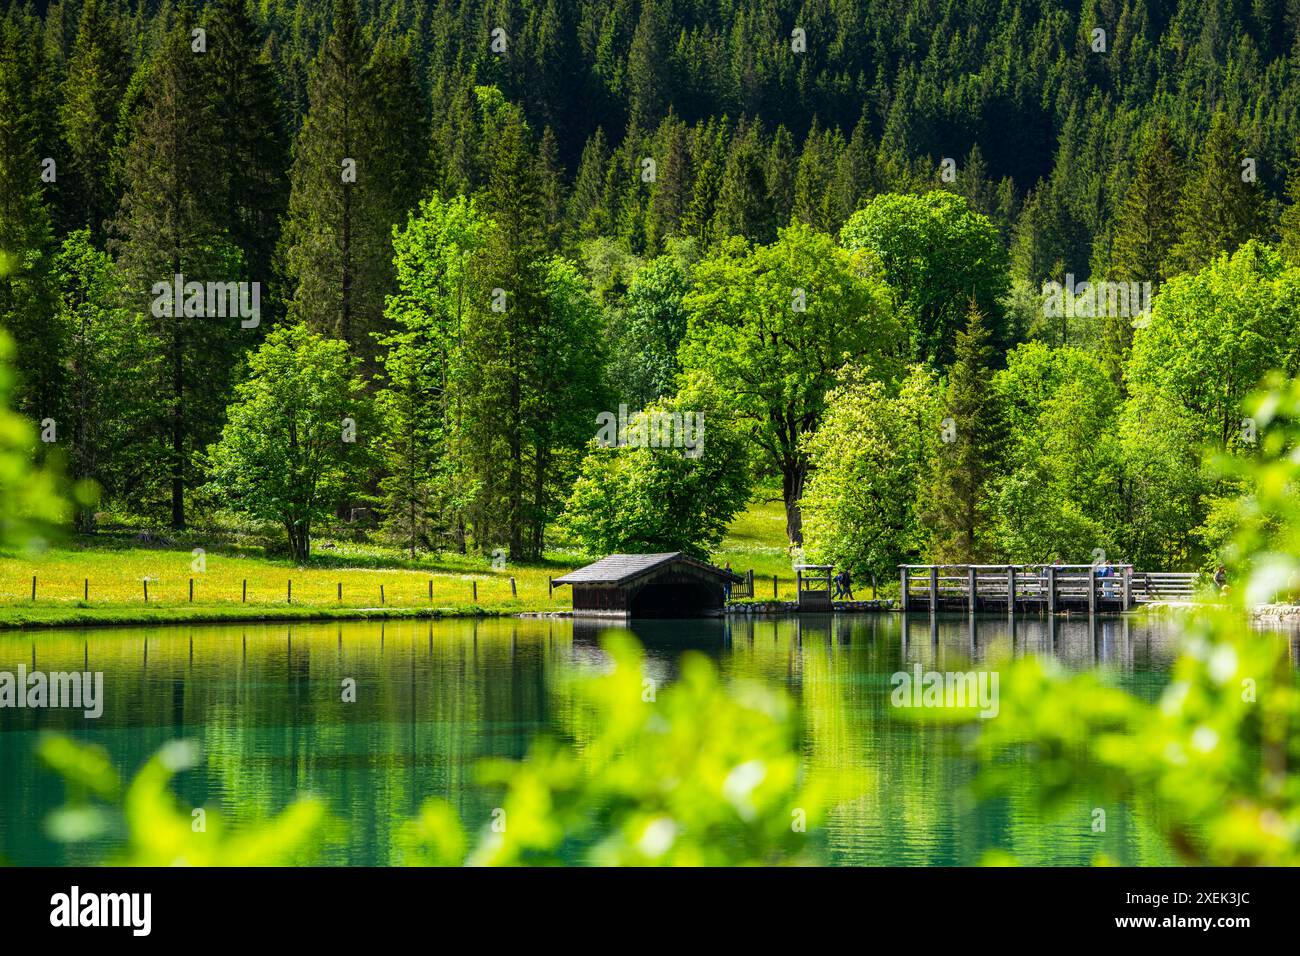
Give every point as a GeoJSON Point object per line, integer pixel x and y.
{"type": "Point", "coordinates": [420, 406]}
{"type": "Point", "coordinates": [1212, 760]}
{"type": "Point", "coordinates": [161, 832]}
{"type": "Point", "coordinates": [769, 329]}
{"type": "Point", "coordinates": [647, 500]}
{"type": "Point", "coordinates": [30, 506]}
{"type": "Point", "coordinates": [284, 455]}
{"type": "Point", "coordinates": [1211, 338]}
{"type": "Point", "coordinates": [956, 494]}
{"type": "Point", "coordinates": [939, 258]}
{"type": "Point", "coordinates": [859, 503]}
{"type": "Point", "coordinates": [1059, 492]}
{"type": "Point", "coordinates": [700, 773]}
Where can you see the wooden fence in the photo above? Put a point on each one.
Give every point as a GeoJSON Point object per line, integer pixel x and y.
{"type": "Point", "coordinates": [1052, 587]}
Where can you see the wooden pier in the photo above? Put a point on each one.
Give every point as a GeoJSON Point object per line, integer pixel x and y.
{"type": "Point", "coordinates": [1044, 588]}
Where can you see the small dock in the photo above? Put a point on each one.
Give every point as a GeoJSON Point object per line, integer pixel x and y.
{"type": "Point", "coordinates": [1039, 588]}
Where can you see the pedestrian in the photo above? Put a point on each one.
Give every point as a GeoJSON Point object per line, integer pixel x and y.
{"type": "Point", "coordinates": [846, 587]}
{"type": "Point", "coordinates": [726, 584]}
{"type": "Point", "coordinates": [1221, 578]}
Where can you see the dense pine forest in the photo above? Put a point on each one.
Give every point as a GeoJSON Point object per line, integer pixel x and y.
{"type": "Point", "coordinates": [953, 280]}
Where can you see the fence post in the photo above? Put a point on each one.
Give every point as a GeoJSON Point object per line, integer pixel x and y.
{"type": "Point", "coordinates": [513, 591]}
{"type": "Point", "coordinates": [902, 587]}
{"type": "Point", "coordinates": [1127, 584]}
{"type": "Point", "coordinates": [550, 587]}
{"type": "Point", "coordinates": [934, 588]}
{"type": "Point", "coordinates": [430, 590]}
{"type": "Point", "coordinates": [244, 599]}
{"type": "Point", "coordinates": [381, 594]}
{"type": "Point", "coordinates": [191, 590]}
{"type": "Point", "coordinates": [340, 590]}
{"type": "Point", "coordinates": [1092, 591]}
{"type": "Point", "coordinates": [85, 591]}
{"type": "Point", "coordinates": [972, 585]}
{"type": "Point", "coordinates": [33, 587]}
{"type": "Point", "coordinates": [473, 586]}
{"type": "Point", "coordinates": [290, 597]}
{"type": "Point", "coordinates": [1051, 589]}
{"type": "Point", "coordinates": [775, 593]}
{"type": "Point", "coordinates": [146, 590]}
{"type": "Point", "coordinates": [1011, 589]}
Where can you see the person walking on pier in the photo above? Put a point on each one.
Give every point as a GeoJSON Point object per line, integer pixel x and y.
{"type": "Point", "coordinates": [1221, 578]}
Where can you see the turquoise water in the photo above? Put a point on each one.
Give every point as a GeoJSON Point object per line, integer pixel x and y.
{"type": "Point", "coordinates": [263, 704]}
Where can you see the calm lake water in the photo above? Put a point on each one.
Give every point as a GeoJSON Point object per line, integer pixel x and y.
{"type": "Point", "coordinates": [263, 703]}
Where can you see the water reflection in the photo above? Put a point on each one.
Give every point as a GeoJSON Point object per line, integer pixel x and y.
{"type": "Point", "coordinates": [432, 698]}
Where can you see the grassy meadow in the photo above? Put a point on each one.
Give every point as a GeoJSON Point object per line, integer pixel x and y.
{"type": "Point", "coordinates": [102, 580]}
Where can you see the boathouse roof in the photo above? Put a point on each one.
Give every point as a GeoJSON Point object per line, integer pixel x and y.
{"type": "Point", "coordinates": [626, 568]}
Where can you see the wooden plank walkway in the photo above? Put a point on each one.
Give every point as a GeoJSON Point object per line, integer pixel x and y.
{"type": "Point", "coordinates": [1050, 588]}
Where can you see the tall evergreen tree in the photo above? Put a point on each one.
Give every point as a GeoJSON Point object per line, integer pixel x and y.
{"type": "Point", "coordinates": [250, 157]}
{"type": "Point", "coordinates": [92, 92]}
{"type": "Point", "coordinates": [26, 240]}
{"type": "Point", "coordinates": [172, 223]}
{"type": "Point", "coordinates": [1222, 205]}
{"type": "Point", "coordinates": [956, 494]}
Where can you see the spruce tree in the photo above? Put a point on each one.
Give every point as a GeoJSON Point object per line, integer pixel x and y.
{"type": "Point", "coordinates": [26, 239]}
{"type": "Point", "coordinates": [250, 157]}
{"type": "Point", "coordinates": [1221, 206]}
{"type": "Point", "coordinates": [92, 92]}
{"type": "Point", "coordinates": [1147, 227]}
{"type": "Point", "coordinates": [171, 222]}
{"type": "Point", "coordinates": [954, 504]}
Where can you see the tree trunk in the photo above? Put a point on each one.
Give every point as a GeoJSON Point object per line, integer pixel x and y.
{"type": "Point", "coordinates": [791, 491]}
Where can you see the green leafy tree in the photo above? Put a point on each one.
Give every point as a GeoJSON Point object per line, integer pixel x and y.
{"type": "Point", "coordinates": [1212, 336]}
{"type": "Point", "coordinates": [420, 405]}
{"type": "Point", "coordinates": [641, 499]}
{"type": "Point", "coordinates": [103, 342]}
{"type": "Point", "coordinates": [285, 454]}
{"type": "Point", "coordinates": [859, 504]}
{"type": "Point", "coordinates": [938, 257]}
{"type": "Point", "coordinates": [1059, 494]}
{"type": "Point", "coordinates": [647, 331]}
{"type": "Point", "coordinates": [770, 327]}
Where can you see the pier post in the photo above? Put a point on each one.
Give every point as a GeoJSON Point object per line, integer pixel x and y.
{"type": "Point", "coordinates": [1126, 586]}
{"type": "Point", "coordinates": [902, 587]}
{"type": "Point", "coordinates": [1092, 591]}
{"type": "Point", "coordinates": [934, 588]}
{"type": "Point", "coordinates": [972, 589]}
{"type": "Point", "coordinates": [1051, 589]}
{"type": "Point", "coordinates": [1011, 589]}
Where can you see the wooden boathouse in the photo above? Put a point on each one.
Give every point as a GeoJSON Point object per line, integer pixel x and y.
{"type": "Point", "coordinates": [671, 584]}
{"type": "Point", "coordinates": [1049, 588]}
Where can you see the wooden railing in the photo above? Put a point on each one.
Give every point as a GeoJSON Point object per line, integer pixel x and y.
{"type": "Point", "coordinates": [1050, 587]}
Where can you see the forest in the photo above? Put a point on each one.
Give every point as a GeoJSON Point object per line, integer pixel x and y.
{"type": "Point", "coordinates": [955, 281]}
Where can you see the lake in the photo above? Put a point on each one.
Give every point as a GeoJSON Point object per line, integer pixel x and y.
{"type": "Point", "coordinates": [264, 704]}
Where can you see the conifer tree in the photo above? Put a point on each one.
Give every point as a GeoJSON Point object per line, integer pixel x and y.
{"type": "Point", "coordinates": [91, 94]}
{"type": "Point", "coordinates": [250, 156]}
{"type": "Point", "coordinates": [357, 170]}
{"type": "Point", "coordinates": [26, 240]}
{"type": "Point", "coordinates": [172, 223]}
{"type": "Point", "coordinates": [955, 498]}
{"type": "Point", "coordinates": [1222, 204]}
{"type": "Point", "coordinates": [1147, 228]}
